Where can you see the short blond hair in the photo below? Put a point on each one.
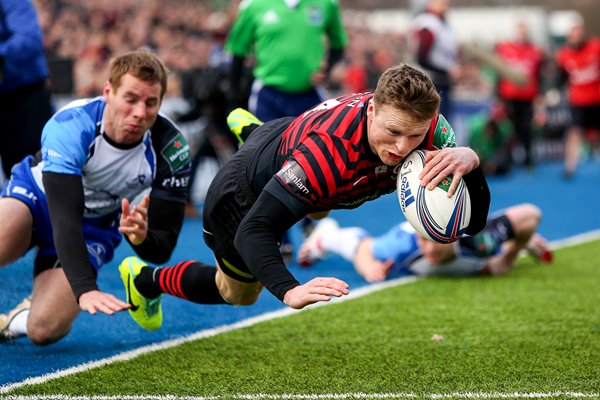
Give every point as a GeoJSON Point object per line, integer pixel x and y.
{"type": "Point", "coordinates": [408, 89]}
{"type": "Point", "coordinates": [143, 65]}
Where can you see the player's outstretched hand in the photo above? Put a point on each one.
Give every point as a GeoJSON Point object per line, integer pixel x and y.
{"type": "Point", "coordinates": [318, 289]}
{"type": "Point", "coordinates": [95, 300]}
{"type": "Point", "coordinates": [378, 270]}
{"type": "Point", "coordinates": [134, 222]}
{"type": "Point", "coordinates": [439, 164]}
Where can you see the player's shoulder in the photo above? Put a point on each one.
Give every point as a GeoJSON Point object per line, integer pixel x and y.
{"type": "Point", "coordinates": [426, 20]}
{"type": "Point", "coordinates": [76, 123]}
{"type": "Point", "coordinates": [441, 133]}
{"type": "Point", "coordinates": [164, 127]}
{"type": "Point", "coordinates": [169, 142]}
{"type": "Point", "coordinates": [252, 4]}
{"type": "Point", "coordinates": [90, 107]}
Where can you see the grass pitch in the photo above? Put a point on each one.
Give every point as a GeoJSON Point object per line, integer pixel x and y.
{"type": "Point", "coordinates": [532, 333]}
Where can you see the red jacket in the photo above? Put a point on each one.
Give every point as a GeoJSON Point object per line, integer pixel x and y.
{"type": "Point", "coordinates": [582, 66]}
{"type": "Point", "coordinates": [527, 58]}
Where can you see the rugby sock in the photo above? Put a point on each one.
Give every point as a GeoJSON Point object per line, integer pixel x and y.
{"type": "Point", "coordinates": [487, 242]}
{"type": "Point", "coordinates": [18, 325]}
{"type": "Point", "coordinates": [188, 280]}
{"type": "Point", "coordinates": [344, 242]}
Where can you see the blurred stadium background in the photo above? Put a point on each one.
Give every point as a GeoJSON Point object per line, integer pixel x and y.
{"type": "Point", "coordinates": [82, 35]}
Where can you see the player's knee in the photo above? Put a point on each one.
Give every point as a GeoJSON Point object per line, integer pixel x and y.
{"type": "Point", "coordinates": [525, 216]}
{"type": "Point", "coordinates": [43, 334]}
{"type": "Point", "coordinates": [239, 299]}
{"type": "Point", "coordinates": [533, 216]}
{"type": "Point", "coordinates": [533, 211]}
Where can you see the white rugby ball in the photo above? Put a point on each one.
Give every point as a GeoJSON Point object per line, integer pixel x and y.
{"type": "Point", "coordinates": [432, 213]}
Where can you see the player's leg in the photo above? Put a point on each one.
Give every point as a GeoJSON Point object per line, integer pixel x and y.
{"type": "Point", "coordinates": [524, 220]}
{"type": "Point", "coordinates": [15, 239]}
{"type": "Point", "coordinates": [22, 204]}
{"type": "Point", "coordinates": [328, 237]}
{"type": "Point", "coordinates": [573, 139]}
{"type": "Point", "coordinates": [572, 147]}
{"type": "Point", "coordinates": [242, 123]}
{"type": "Point", "coordinates": [235, 291]}
{"type": "Point", "coordinates": [16, 230]}
{"type": "Point", "coordinates": [53, 307]}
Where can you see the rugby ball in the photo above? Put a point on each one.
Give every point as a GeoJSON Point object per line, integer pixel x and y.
{"type": "Point", "coordinates": [432, 213]}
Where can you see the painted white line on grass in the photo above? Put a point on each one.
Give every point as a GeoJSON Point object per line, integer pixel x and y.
{"type": "Point", "coordinates": [575, 240]}
{"type": "Point", "coordinates": [359, 395]}
{"type": "Point", "coordinates": [202, 334]}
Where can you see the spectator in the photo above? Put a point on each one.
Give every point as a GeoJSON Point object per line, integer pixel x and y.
{"type": "Point", "coordinates": [490, 135]}
{"type": "Point", "coordinates": [519, 97]}
{"type": "Point", "coordinates": [436, 49]}
{"type": "Point", "coordinates": [579, 61]}
{"type": "Point", "coordinates": [25, 103]}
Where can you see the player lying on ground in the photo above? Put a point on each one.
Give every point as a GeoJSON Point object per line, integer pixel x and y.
{"type": "Point", "coordinates": [402, 251]}
{"type": "Point", "coordinates": [339, 154]}
{"type": "Point", "coordinates": [72, 200]}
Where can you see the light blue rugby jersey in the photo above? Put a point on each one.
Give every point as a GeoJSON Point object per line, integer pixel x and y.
{"type": "Point", "coordinates": [400, 244]}
{"type": "Point", "coordinates": [72, 143]}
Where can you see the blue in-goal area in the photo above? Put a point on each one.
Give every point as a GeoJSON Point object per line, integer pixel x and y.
{"type": "Point", "coordinates": [570, 208]}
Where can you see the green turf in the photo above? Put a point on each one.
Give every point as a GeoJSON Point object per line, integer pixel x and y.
{"type": "Point", "coordinates": [535, 330]}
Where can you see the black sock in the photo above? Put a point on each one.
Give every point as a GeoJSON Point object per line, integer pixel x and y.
{"type": "Point", "coordinates": [188, 280]}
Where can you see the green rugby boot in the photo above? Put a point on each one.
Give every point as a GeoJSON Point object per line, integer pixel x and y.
{"type": "Point", "coordinates": [239, 119]}
{"type": "Point", "coordinates": [146, 312]}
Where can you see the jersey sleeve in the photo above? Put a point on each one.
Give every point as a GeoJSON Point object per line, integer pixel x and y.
{"type": "Point", "coordinates": [173, 162]}
{"type": "Point", "coordinates": [396, 244]}
{"type": "Point", "coordinates": [335, 28]}
{"type": "Point", "coordinates": [240, 38]}
{"type": "Point", "coordinates": [443, 134]}
{"type": "Point", "coordinates": [316, 168]}
{"type": "Point", "coordinates": [65, 141]}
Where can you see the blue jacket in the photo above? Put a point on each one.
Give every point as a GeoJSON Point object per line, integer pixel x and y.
{"type": "Point", "coordinates": [21, 45]}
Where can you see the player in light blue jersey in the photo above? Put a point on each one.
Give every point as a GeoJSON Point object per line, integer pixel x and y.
{"type": "Point", "coordinates": [71, 201]}
{"type": "Point", "coordinates": [401, 251]}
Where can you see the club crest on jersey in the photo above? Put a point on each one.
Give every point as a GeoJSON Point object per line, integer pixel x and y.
{"type": "Point", "coordinates": [315, 15]}
{"type": "Point", "coordinates": [177, 153]}
{"type": "Point", "coordinates": [380, 169]}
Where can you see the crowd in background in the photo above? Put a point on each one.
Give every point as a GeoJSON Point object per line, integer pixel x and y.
{"type": "Point", "coordinates": [188, 35]}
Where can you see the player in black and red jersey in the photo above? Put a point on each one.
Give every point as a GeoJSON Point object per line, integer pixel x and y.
{"type": "Point", "coordinates": [339, 154]}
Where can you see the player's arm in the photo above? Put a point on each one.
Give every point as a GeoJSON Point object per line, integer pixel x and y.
{"type": "Point", "coordinates": [152, 227]}
{"type": "Point", "coordinates": [64, 193]}
{"type": "Point", "coordinates": [369, 267]}
{"type": "Point", "coordinates": [257, 242]}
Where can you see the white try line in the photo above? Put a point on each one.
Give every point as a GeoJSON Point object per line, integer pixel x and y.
{"type": "Point", "coordinates": [341, 396]}
{"type": "Point", "coordinates": [572, 241]}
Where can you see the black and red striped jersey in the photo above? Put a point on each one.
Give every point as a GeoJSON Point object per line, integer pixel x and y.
{"type": "Point", "coordinates": [327, 161]}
